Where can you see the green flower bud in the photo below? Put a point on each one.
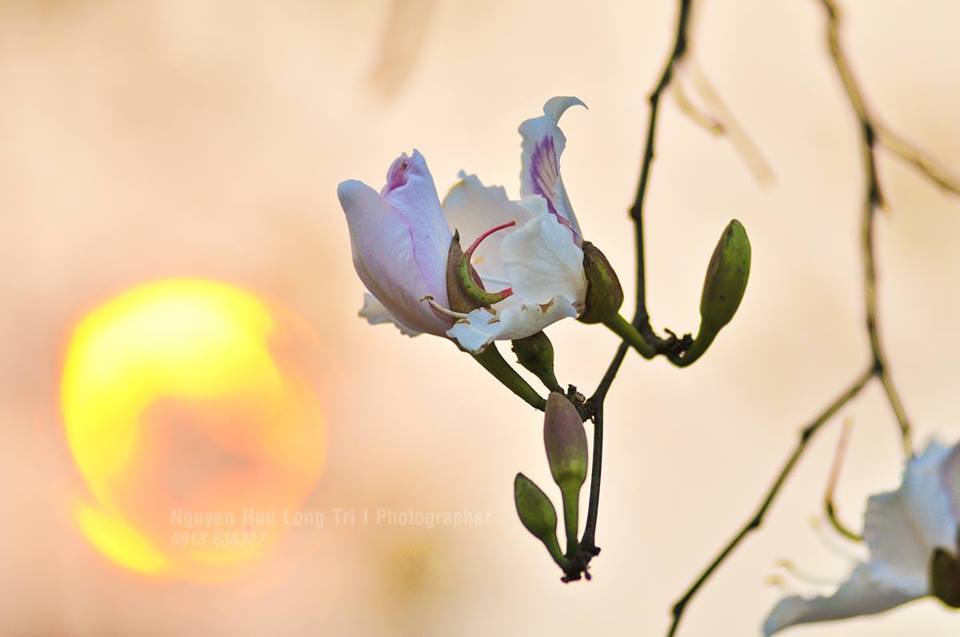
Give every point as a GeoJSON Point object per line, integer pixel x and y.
{"type": "Point", "coordinates": [604, 293]}
{"type": "Point", "coordinates": [535, 509]}
{"type": "Point", "coordinates": [535, 353]}
{"type": "Point", "coordinates": [565, 441]}
{"type": "Point", "coordinates": [945, 578]}
{"type": "Point", "coordinates": [726, 278]}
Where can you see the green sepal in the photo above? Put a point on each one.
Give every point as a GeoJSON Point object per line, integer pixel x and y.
{"type": "Point", "coordinates": [604, 292]}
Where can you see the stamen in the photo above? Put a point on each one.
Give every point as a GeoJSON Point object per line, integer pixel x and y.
{"type": "Point", "coordinates": [829, 542]}
{"type": "Point", "coordinates": [802, 576]}
{"type": "Point", "coordinates": [834, 478]}
{"type": "Point", "coordinates": [445, 311]}
{"type": "Point", "coordinates": [476, 244]}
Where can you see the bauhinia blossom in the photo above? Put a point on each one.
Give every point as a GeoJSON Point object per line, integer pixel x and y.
{"type": "Point", "coordinates": [911, 536]}
{"type": "Point", "coordinates": [527, 253]}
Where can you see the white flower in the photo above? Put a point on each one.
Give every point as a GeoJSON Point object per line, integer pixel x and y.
{"type": "Point", "coordinates": [902, 530]}
{"type": "Point", "coordinates": [527, 250]}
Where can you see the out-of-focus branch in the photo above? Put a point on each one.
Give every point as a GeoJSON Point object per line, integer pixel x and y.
{"type": "Point", "coordinates": [912, 155]}
{"type": "Point", "coordinates": [872, 200]}
{"type": "Point", "coordinates": [756, 520]}
{"type": "Point", "coordinates": [725, 122]}
{"type": "Point", "coordinates": [871, 135]}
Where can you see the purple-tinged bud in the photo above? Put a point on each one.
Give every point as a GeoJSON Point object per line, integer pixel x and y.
{"type": "Point", "coordinates": [565, 441]}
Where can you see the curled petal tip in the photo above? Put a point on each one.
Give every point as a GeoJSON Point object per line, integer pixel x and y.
{"type": "Point", "coordinates": [557, 106]}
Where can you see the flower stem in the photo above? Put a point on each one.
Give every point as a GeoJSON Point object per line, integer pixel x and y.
{"type": "Point", "coordinates": [553, 547]}
{"type": "Point", "coordinates": [500, 369]}
{"type": "Point", "coordinates": [697, 348]}
{"type": "Point", "coordinates": [625, 330]}
{"type": "Point", "coordinates": [571, 513]}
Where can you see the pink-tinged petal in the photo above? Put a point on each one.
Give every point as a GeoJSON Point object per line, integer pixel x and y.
{"type": "Point", "coordinates": [393, 259]}
{"type": "Point", "coordinates": [543, 143]}
{"type": "Point", "coordinates": [411, 193]}
{"type": "Point", "coordinates": [862, 594]}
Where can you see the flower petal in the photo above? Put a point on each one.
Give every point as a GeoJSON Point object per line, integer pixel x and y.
{"type": "Point", "coordinates": [389, 260]}
{"type": "Point", "coordinates": [518, 320]}
{"type": "Point", "coordinates": [903, 527]}
{"type": "Point", "coordinates": [951, 481]}
{"type": "Point", "coordinates": [472, 208]}
{"type": "Point", "coordinates": [862, 594]}
{"type": "Point", "coordinates": [416, 200]}
{"type": "Point", "coordinates": [475, 332]}
{"type": "Point", "coordinates": [376, 314]}
{"type": "Point", "coordinates": [542, 145]}
{"type": "Point", "coordinates": [542, 261]}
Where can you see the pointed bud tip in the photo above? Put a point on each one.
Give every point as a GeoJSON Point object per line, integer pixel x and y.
{"type": "Point", "coordinates": [726, 278]}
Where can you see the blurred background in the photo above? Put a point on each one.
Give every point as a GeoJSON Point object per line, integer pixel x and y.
{"type": "Point", "coordinates": [143, 141]}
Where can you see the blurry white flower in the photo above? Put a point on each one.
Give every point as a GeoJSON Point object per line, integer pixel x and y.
{"type": "Point", "coordinates": [907, 532]}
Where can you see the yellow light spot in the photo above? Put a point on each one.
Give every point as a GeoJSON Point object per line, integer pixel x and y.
{"type": "Point", "coordinates": [120, 542]}
{"type": "Point", "coordinates": [183, 399]}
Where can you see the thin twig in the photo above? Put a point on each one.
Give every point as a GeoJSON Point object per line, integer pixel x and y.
{"type": "Point", "coordinates": [806, 435]}
{"type": "Point", "coordinates": [872, 201]}
{"type": "Point", "coordinates": [588, 542]}
{"type": "Point", "coordinates": [912, 155]}
{"type": "Point", "coordinates": [730, 125]}
{"type": "Point", "coordinates": [640, 317]}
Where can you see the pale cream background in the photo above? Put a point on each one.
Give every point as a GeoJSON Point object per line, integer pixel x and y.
{"type": "Point", "coordinates": [192, 137]}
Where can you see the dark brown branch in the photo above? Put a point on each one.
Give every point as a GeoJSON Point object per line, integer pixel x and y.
{"type": "Point", "coordinates": [640, 317]}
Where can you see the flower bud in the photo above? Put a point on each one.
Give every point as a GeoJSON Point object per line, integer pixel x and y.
{"type": "Point", "coordinates": [535, 510]}
{"type": "Point", "coordinates": [566, 442]}
{"type": "Point", "coordinates": [945, 578]}
{"type": "Point", "coordinates": [604, 294]}
{"type": "Point", "coordinates": [535, 353]}
{"type": "Point", "coordinates": [726, 278]}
